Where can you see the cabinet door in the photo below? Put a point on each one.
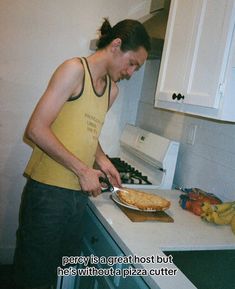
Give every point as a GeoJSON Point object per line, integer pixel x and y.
{"type": "Point", "coordinates": [97, 242]}
{"type": "Point", "coordinates": [195, 50]}
{"type": "Point", "coordinates": [207, 61]}
{"type": "Point", "coordinates": [176, 48]}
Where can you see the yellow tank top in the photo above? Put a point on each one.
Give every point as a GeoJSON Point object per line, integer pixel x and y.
{"type": "Point", "coordinates": [78, 127]}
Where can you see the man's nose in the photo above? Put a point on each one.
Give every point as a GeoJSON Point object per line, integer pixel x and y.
{"type": "Point", "coordinates": [130, 71]}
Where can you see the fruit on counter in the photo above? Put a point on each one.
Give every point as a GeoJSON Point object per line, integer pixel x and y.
{"type": "Point", "coordinates": [200, 195]}
{"type": "Point", "coordinates": [222, 220]}
{"type": "Point", "coordinates": [224, 207]}
{"type": "Point", "coordinates": [192, 206]}
{"type": "Point", "coordinates": [219, 208]}
{"type": "Point", "coordinates": [207, 207]}
{"type": "Point", "coordinates": [193, 198]}
{"type": "Point", "coordinates": [220, 214]}
{"type": "Point", "coordinates": [196, 208]}
{"type": "Point", "coordinates": [207, 216]}
{"type": "Point", "coordinates": [233, 224]}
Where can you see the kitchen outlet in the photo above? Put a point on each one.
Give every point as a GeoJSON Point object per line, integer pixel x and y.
{"type": "Point", "coordinates": [191, 134]}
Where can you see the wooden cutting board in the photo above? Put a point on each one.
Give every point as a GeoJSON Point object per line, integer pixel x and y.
{"type": "Point", "coordinates": [138, 216]}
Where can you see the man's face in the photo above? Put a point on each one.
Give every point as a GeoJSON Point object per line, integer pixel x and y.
{"type": "Point", "coordinates": [126, 63]}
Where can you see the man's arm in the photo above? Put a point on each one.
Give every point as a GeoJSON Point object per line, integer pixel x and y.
{"type": "Point", "coordinates": [106, 166]}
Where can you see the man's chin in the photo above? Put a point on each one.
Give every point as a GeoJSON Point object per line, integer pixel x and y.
{"type": "Point", "coordinates": [123, 78]}
{"type": "Point", "coordinates": [118, 79]}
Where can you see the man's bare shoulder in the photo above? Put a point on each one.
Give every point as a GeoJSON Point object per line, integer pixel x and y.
{"type": "Point", "coordinates": [69, 74]}
{"type": "Point", "coordinates": [73, 65]}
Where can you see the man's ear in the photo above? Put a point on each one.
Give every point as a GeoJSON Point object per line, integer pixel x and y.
{"type": "Point", "coordinates": [116, 44]}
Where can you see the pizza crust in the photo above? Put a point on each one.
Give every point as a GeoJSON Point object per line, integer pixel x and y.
{"type": "Point", "coordinates": [143, 200]}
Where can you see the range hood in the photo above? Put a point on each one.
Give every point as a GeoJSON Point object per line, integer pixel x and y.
{"type": "Point", "coordinates": [155, 23]}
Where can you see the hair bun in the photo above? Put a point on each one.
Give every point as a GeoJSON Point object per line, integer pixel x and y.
{"type": "Point", "coordinates": [106, 28]}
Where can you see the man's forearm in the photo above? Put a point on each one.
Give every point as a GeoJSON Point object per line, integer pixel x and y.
{"type": "Point", "coordinates": [100, 156]}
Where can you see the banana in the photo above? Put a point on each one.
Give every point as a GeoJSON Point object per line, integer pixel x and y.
{"type": "Point", "coordinates": [222, 220]}
{"type": "Point", "coordinates": [228, 218]}
{"type": "Point", "coordinates": [207, 217]}
{"type": "Point", "coordinates": [207, 207]}
{"type": "Point", "coordinates": [219, 214]}
{"type": "Point", "coordinates": [220, 208]}
{"type": "Point", "coordinates": [233, 224]}
{"type": "Point", "coordinates": [204, 216]}
{"type": "Point", "coordinates": [217, 219]}
{"type": "Point", "coordinates": [210, 218]}
{"type": "Point", "coordinates": [227, 212]}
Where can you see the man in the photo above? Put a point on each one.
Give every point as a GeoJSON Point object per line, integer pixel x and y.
{"type": "Point", "coordinates": [65, 128]}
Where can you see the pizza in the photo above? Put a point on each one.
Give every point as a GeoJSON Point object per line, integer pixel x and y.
{"type": "Point", "coordinates": [143, 200]}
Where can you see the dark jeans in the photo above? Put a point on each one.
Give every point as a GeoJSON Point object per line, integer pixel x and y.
{"type": "Point", "coordinates": [50, 226]}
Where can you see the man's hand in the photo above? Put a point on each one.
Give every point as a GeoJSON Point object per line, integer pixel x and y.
{"type": "Point", "coordinates": [107, 167]}
{"type": "Point", "coordinates": [89, 181]}
{"type": "Point", "coordinates": [112, 174]}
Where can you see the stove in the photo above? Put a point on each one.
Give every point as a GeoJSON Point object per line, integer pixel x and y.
{"type": "Point", "coordinates": [128, 173]}
{"type": "Point", "coordinates": [146, 160]}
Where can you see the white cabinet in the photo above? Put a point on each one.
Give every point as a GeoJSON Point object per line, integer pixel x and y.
{"type": "Point", "coordinates": [197, 67]}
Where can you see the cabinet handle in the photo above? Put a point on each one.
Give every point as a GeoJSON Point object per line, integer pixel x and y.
{"type": "Point", "coordinates": [177, 96]}
{"type": "Point", "coordinates": [94, 240]}
{"type": "Point", "coordinates": [180, 96]}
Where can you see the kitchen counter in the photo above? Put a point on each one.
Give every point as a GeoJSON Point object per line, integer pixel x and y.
{"type": "Point", "coordinates": [152, 238]}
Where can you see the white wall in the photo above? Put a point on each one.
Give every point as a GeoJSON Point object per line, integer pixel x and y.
{"type": "Point", "coordinates": [209, 162]}
{"type": "Point", "coordinates": [36, 36]}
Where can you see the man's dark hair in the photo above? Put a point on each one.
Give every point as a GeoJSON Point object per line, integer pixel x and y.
{"type": "Point", "coordinates": [131, 32]}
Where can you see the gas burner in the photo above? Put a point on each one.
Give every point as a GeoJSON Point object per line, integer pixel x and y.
{"type": "Point", "coordinates": [128, 174]}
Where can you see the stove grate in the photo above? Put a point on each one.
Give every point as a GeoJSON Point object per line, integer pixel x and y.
{"type": "Point", "coordinates": [129, 174]}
